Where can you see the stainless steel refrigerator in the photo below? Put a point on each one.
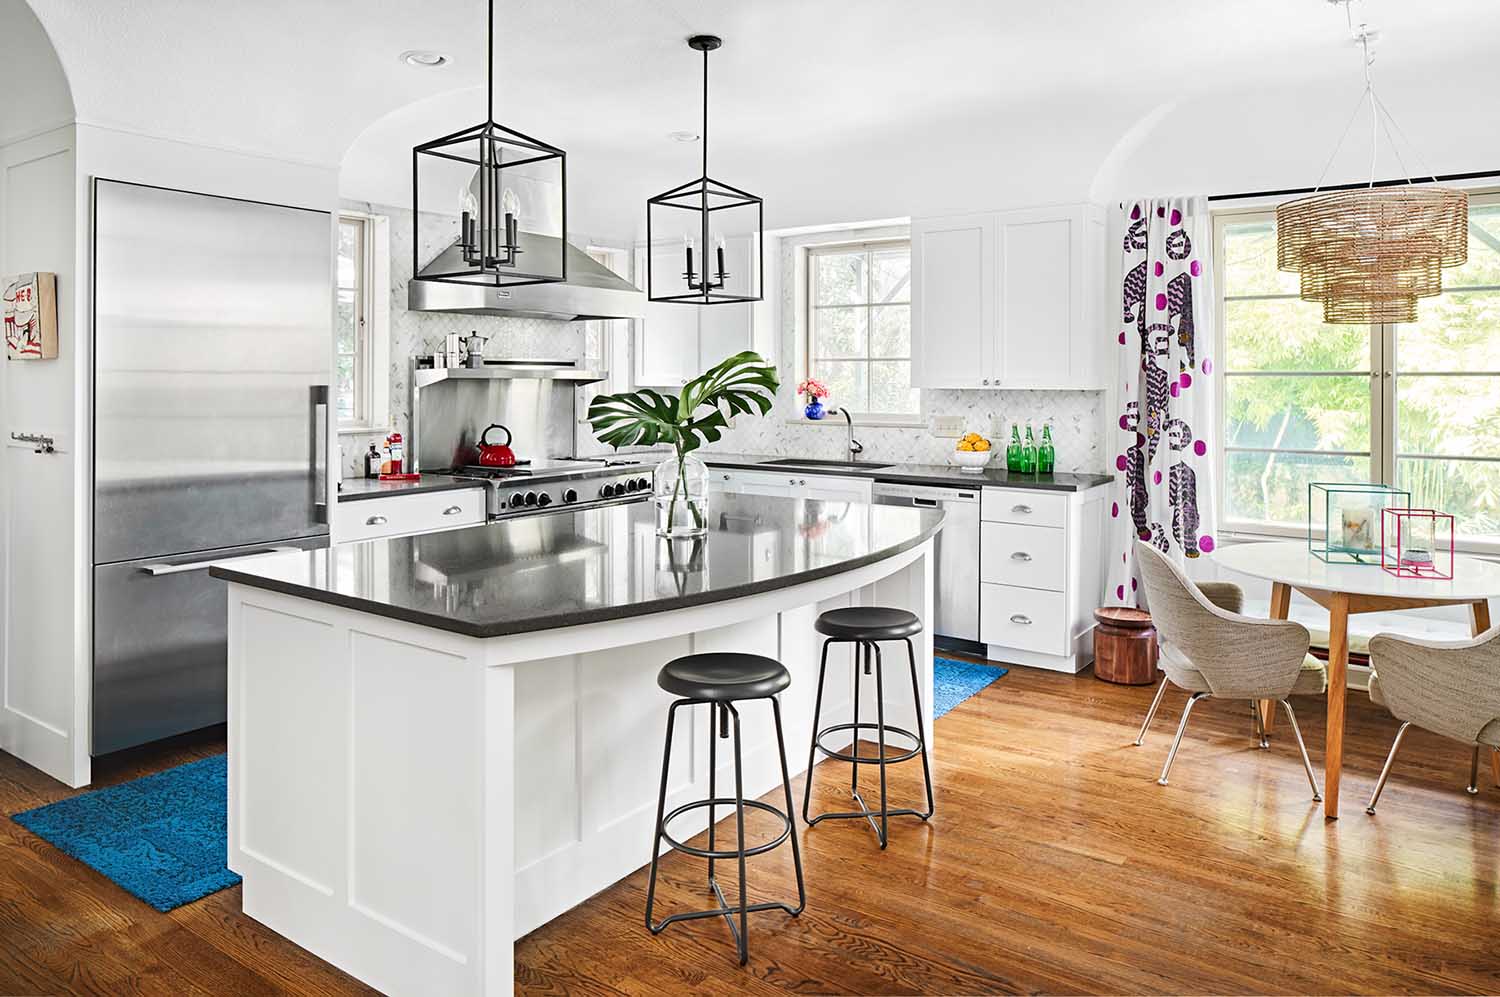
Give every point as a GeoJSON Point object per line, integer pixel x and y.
{"type": "Point", "coordinates": [213, 325]}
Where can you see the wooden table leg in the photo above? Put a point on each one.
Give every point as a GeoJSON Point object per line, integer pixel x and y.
{"type": "Point", "coordinates": [1281, 605]}
{"type": "Point", "coordinates": [1479, 622]}
{"type": "Point", "coordinates": [1338, 688]}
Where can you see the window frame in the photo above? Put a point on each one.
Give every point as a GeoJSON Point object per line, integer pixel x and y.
{"type": "Point", "coordinates": [1383, 372]}
{"type": "Point", "coordinates": [371, 410]}
{"type": "Point", "coordinates": [810, 307]}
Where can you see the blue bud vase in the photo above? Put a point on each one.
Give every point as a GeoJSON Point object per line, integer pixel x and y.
{"type": "Point", "coordinates": [814, 409]}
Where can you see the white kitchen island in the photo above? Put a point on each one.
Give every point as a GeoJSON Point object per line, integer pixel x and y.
{"type": "Point", "coordinates": [438, 743]}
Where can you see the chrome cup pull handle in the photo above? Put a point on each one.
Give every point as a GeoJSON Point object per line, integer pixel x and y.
{"type": "Point", "coordinates": [376, 521]}
{"type": "Point", "coordinates": [1024, 510]}
{"type": "Point", "coordinates": [1020, 555]}
{"type": "Point", "coordinates": [1021, 618]}
{"type": "Point", "coordinates": [453, 510]}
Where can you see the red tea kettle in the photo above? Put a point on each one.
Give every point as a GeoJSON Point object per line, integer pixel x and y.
{"type": "Point", "coordinates": [496, 454]}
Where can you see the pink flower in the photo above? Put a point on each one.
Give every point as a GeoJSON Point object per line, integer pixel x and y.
{"type": "Point", "coordinates": [813, 388]}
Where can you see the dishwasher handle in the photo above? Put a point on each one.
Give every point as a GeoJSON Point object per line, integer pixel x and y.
{"type": "Point", "coordinates": [925, 502]}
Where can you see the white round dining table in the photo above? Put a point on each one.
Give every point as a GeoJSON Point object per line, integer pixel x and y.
{"type": "Point", "coordinates": [1344, 589]}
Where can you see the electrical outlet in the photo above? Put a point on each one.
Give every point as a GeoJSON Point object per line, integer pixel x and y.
{"type": "Point", "coordinates": [948, 426]}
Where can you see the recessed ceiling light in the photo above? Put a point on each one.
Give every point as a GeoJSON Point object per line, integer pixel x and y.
{"type": "Point", "coordinates": [683, 136]}
{"type": "Point", "coordinates": [424, 59]}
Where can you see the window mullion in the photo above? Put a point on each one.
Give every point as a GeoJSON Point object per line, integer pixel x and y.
{"type": "Point", "coordinates": [1386, 395]}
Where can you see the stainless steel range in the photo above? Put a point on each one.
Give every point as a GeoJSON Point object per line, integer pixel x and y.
{"type": "Point", "coordinates": [555, 483]}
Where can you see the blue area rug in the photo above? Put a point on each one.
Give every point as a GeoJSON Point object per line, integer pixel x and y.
{"type": "Point", "coordinates": [163, 837]}
{"type": "Point", "coordinates": [955, 681]}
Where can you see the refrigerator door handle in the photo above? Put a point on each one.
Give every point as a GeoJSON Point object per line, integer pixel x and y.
{"type": "Point", "coordinates": [317, 442]}
{"type": "Point", "coordinates": [174, 569]}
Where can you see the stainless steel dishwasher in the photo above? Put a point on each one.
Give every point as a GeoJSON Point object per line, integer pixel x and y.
{"type": "Point", "coordinates": [956, 600]}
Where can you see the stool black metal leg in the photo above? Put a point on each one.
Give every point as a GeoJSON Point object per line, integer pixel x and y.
{"type": "Point", "coordinates": [786, 783]}
{"type": "Point", "coordinates": [861, 649]}
{"type": "Point", "coordinates": [812, 750]}
{"type": "Point", "coordinates": [713, 772]}
{"type": "Point", "coordinates": [661, 807]}
{"type": "Point", "coordinates": [880, 732]}
{"type": "Point", "coordinates": [743, 935]}
{"type": "Point", "coordinates": [916, 698]}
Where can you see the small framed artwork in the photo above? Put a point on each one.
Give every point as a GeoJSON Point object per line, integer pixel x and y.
{"type": "Point", "coordinates": [30, 311]}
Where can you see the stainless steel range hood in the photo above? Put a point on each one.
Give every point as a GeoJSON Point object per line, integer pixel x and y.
{"type": "Point", "coordinates": [592, 290]}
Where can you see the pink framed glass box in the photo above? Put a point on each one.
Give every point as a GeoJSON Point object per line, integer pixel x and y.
{"type": "Point", "coordinates": [1416, 543]}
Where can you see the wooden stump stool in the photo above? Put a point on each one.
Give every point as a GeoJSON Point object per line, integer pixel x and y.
{"type": "Point", "coordinates": [1124, 646]}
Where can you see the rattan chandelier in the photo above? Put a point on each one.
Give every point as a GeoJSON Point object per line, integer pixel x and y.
{"type": "Point", "coordinates": [1368, 253]}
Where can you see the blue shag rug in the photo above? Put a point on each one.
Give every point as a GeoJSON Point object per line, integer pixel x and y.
{"type": "Point", "coordinates": [163, 837]}
{"type": "Point", "coordinates": [955, 681]}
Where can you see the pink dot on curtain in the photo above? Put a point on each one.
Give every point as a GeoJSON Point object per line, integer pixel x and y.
{"type": "Point", "coordinates": [1132, 585]}
{"type": "Point", "coordinates": [1135, 212]}
{"type": "Point", "coordinates": [1176, 217]}
{"type": "Point", "coordinates": [1120, 462]}
{"type": "Point", "coordinates": [1122, 339]}
{"type": "Point", "coordinates": [1156, 477]}
{"type": "Point", "coordinates": [1176, 390]}
{"type": "Point", "coordinates": [1186, 380]}
{"type": "Point", "coordinates": [1206, 544]}
{"type": "Point", "coordinates": [1125, 423]}
{"type": "Point", "coordinates": [1161, 212]}
{"type": "Point", "coordinates": [1200, 448]}
{"type": "Point", "coordinates": [1196, 269]}
{"type": "Point", "coordinates": [1208, 366]}
{"type": "Point", "coordinates": [1145, 534]}
{"type": "Point", "coordinates": [1114, 509]}
{"type": "Point", "coordinates": [1160, 269]}
{"type": "Point", "coordinates": [1161, 302]}
{"type": "Point", "coordinates": [1119, 591]}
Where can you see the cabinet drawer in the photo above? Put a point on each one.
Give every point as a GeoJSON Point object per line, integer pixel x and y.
{"type": "Point", "coordinates": [367, 519]}
{"type": "Point", "coordinates": [1025, 619]}
{"type": "Point", "coordinates": [1029, 556]}
{"type": "Point", "coordinates": [1026, 507]}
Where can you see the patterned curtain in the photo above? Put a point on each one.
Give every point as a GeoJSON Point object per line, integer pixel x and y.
{"type": "Point", "coordinates": [1164, 485]}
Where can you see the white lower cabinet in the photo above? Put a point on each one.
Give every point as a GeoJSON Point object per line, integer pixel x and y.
{"type": "Point", "coordinates": [792, 484]}
{"type": "Point", "coordinates": [398, 515]}
{"type": "Point", "coordinates": [1041, 575]}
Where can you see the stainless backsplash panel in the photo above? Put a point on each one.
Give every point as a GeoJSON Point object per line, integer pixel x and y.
{"type": "Point", "coordinates": [449, 417]}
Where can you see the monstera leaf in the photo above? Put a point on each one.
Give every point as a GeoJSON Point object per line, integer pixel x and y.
{"type": "Point", "coordinates": [740, 384]}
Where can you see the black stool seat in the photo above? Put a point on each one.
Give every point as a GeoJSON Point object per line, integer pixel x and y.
{"type": "Point", "coordinates": [724, 677]}
{"type": "Point", "coordinates": [868, 623]}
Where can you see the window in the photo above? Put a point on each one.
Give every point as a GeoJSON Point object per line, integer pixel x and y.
{"type": "Point", "coordinates": [1415, 405]}
{"type": "Point", "coordinates": [354, 368]}
{"type": "Point", "coordinates": [859, 326]}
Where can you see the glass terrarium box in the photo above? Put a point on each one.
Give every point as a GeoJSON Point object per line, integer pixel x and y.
{"type": "Point", "coordinates": [1344, 521]}
{"type": "Point", "coordinates": [1416, 543]}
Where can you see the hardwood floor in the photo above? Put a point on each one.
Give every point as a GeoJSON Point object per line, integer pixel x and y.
{"type": "Point", "coordinates": [1054, 863]}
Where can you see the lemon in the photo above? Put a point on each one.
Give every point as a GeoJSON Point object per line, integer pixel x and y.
{"type": "Point", "coordinates": [965, 446]}
{"type": "Point", "coordinates": [982, 446]}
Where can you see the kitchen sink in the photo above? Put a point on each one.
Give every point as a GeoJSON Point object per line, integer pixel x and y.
{"type": "Point", "coordinates": [853, 465]}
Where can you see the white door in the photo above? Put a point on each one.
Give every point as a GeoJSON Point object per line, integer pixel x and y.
{"type": "Point", "coordinates": [1037, 296]}
{"type": "Point", "coordinates": [953, 278]}
{"type": "Point", "coordinates": [666, 346]}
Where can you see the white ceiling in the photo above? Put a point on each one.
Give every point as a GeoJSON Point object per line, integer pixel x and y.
{"type": "Point", "coordinates": [812, 99]}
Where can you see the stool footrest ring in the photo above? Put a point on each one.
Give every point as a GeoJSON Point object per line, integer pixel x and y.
{"type": "Point", "coordinates": [868, 759]}
{"type": "Point", "coordinates": [725, 911]}
{"type": "Point", "coordinates": [728, 853]}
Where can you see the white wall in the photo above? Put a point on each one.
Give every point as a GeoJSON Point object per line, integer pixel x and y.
{"type": "Point", "coordinates": [36, 98]}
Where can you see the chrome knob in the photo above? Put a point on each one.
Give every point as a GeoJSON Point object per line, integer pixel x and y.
{"type": "Point", "coordinates": [543, 499]}
{"type": "Point", "coordinates": [631, 485]}
{"type": "Point", "coordinates": [569, 496]}
{"type": "Point", "coordinates": [531, 498]}
{"type": "Point", "coordinates": [607, 491]}
{"type": "Point", "coordinates": [517, 500]}
{"type": "Point", "coordinates": [645, 484]}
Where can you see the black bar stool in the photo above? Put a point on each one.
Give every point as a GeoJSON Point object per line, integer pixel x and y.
{"type": "Point", "coordinates": [864, 627]}
{"type": "Point", "coordinates": [721, 680]}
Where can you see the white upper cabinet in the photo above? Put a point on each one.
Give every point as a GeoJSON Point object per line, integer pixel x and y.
{"type": "Point", "coordinates": [953, 301]}
{"type": "Point", "coordinates": [1008, 299]}
{"type": "Point", "coordinates": [677, 342]}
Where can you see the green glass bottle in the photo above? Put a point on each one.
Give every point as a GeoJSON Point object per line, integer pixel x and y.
{"type": "Point", "coordinates": [1028, 453]}
{"type": "Point", "coordinates": [1046, 456]}
{"type": "Point", "coordinates": [1013, 451]}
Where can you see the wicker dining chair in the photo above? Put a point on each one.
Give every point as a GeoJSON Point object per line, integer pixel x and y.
{"type": "Point", "coordinates": [1207, 650]}
{"type": "Point", "coordinates": [1451, 688]}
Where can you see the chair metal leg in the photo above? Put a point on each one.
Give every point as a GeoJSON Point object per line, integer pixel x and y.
{"type": "Point", "coordinates": [1161, 691]}
{"type": "Point", "coordinates": [1312, 780]}
{"type": "Point", "coordinates": [1187, 711]}
{"type": "Point", "coordinates": [916, 698]}
{"type": "Point", "coordinates": [1258, 724]}
{"type": "Point", "coordinates": [661, 809]}
{"type": "Point", "coordinates": [1385, 773]}
{"type": "Point", "coordinates": [812, 749]}
{"type": "Point", "coordinates": [786, 783]}
{"type": "Point", "coordinates": [1474, 773]}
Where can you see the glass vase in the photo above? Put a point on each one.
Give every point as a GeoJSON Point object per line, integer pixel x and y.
{"type": "Point", "coordinates": [679, 490]}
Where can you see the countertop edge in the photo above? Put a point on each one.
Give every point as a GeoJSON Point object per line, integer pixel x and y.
{"type": "Point", "coordinates": [568, 620]}
{"type": "Point", "coordinates": [440, 483]}
{"type": "Point", "coordinates": [893, 475]}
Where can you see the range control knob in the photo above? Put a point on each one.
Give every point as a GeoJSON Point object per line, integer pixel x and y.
{"type": "Point", "coordinates": [544, 499]}
{"type": "Point", "coordinates": [607, 491]}
{"type": "Point", "coordinates": [531, 498]}
{"type": "Point", "coordinates": [645, 484]}
{"type": "Point", "coordinates": [517, 500]}
{"type": "Point", "coordinates": [569, 496]}
{"type": "Point", "coordinates": [631, 485]}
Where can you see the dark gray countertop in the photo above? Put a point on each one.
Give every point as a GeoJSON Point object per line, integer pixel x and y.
{"type": "Point", "coordinates": [354, 489]}
{"type": "Point", "coordinates": [567, 568]}
{"type": "Point", "coordinates": [924, 474]}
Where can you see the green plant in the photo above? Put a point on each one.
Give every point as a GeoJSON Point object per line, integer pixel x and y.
{"type": "Point", "coordinates": [739, 385]}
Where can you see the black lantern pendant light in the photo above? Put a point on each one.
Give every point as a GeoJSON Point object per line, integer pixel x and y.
{"type": "Point", "coordinates": [512, 201]}
{"type": "Point", "coordinates": [725, 221]}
